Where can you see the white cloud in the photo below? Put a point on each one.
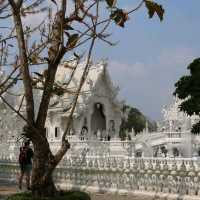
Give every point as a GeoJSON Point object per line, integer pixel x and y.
{"type": "Point", "coordinates": [149, 85]}
{"type": "Point", "coordinates": [33, 20]}
{"type": "Point", "coordinates": [176, 57]}
{"type": "Point", "coordinates": [125, 72]}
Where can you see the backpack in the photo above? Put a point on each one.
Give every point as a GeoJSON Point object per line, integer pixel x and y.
{"type": "Point", "coordinates": [23, 155]}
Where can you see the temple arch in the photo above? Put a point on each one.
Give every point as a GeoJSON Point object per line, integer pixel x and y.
{"type": "Point", "coordinates": [98, 119]}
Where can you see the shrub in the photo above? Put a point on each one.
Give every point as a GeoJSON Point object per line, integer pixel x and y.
{"type": "Point", "coordinates": [71, 195]}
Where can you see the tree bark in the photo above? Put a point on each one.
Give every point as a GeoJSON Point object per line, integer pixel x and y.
{"type": "Point", "coordinates": [44, 161]}
{"type": "Point", "coordinates": [44, 164]}
{"type": "Point", "coordinates": [23, 61]}
{"type": "Point", "coordinates": [43, 188]}
{"type": "Point", "coordinates": [42, 173]}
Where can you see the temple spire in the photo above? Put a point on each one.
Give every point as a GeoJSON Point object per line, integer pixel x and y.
{"type": "Point", "coordinates": [146, 127]}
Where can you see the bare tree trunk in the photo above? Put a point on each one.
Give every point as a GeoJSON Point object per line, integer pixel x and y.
{"type": "Point", "coordinates": [44, 164]}
{"type": "Point", "coordinates": [23, 61]}
{"type": "Point", "coordinates": [42, 173]}
{"type": "Point", "coordinates": [42, 184]}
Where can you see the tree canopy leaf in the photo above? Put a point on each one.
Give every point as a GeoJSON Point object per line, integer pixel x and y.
{"type": "Point", "coordinates": [54, 1]}
{"type": "Point", "coordinates": [188, 89]}
{"type": "Point", "coordinates": [154, 8]}
{"type": "Point", "coordinates": [72, 40]}
{"type": "Point", "coordinates": [119, 16]}
{"type": "Point", "coordinates": [111, 3]}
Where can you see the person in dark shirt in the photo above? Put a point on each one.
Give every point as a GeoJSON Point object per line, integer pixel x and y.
{"type": "Point", "coordinates": [25, 161]}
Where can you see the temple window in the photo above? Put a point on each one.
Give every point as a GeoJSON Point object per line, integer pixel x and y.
{"type": "Point", "coordinates": [84, 132]}
{"type": "Point", "coordinates": [85, 121]}
{"type": "Point", "coordinates": [111, 130]}
{"type": "Point", "coordinates": [199, 152]}
{"type": "Point", "coordinates": [175, 152]}
{"type": "Point", "coordinates": [98, 120]}
{"type": "Point", "coordinates": [57, 131]}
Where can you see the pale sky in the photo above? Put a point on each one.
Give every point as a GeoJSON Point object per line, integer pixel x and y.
{"type": "Point", "coordinates": [151, 56]}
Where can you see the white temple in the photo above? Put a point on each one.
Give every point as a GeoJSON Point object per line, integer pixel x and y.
{"type": "Point", "coordinates": [162, 163]}
{"type": "Point", "coordinates": [98, 112]}
{"type": "Point", "coordinates": [97, 119]}
{"type": "Point", "coordinates": [97, 116]}
{"type": "Point", "coordinates": [174, 119]}
{"type": "Point", "coordinates": [173, 137]}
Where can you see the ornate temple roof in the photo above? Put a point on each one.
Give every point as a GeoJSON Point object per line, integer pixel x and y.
{"type": "Point", "coordinates": [61, 104]}
{"type": "Point", "coordinates": [175, 119]}
{"type": "Point", "coordinates": [96, 73]}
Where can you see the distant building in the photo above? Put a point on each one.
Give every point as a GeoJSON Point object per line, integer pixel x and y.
{"type": "Point", "coordinates": [173, 138]}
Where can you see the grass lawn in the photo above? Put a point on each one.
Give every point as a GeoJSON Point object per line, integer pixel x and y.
{"type": "Point", "coordinates": [71, 195]}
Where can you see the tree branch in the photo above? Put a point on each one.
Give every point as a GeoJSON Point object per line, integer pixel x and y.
{"type": "Point", "coordinates": [56, 53]}
{"type": "Point", "coordinates": [65, 145]}
{"type": "Point", "coordinates": [23, 62]}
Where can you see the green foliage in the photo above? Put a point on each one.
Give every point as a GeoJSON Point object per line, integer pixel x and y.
{"type": "Point", "coordinates": [135, 120]}
{"type": "Point", "coordinates": [191, 106]}
{"type": "Point", "coordinates": [188, 89]}
{"type": "Point", "coordinates": [183, 87]}
{"type": "Point", "coordinates": [72, 195]}
{"type": "Point", "coordinates": [196, 128]}
{"type": "Point", "coordinates": [194, 67]}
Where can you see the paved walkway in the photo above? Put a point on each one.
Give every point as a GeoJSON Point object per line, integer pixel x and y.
{"type": "Point", "coordinates": [7, 189]}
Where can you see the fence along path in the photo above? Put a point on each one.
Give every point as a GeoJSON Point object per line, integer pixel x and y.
{"type": "Point", "coordinates": [121, 174]}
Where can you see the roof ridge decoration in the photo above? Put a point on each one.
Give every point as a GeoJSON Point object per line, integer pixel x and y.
{"type": "Point", "coordinates": [95, 74]}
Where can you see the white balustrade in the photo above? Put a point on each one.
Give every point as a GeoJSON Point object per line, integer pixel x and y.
{"type": "Point", "coordinates": [92, 164]}
{"type": "Point", "coordinates": [118, 173]}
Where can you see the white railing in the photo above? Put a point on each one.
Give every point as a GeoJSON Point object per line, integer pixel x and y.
{"type": "Point", "coordinates": [94, 166]}
{"type": "Point", "coordinates": [176, 176]}
{"type": "Point", "coordinates": [157, 135]}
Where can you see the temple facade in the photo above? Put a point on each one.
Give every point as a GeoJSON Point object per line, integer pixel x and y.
{"type": "Point", "coordinates": [174, 119]}
{"type": "Point", "coordinates": [173, 137]}
{"type": "Point", "coordinates": [98, 111]}
{"type": "Point", "coordinates": [97, 118]}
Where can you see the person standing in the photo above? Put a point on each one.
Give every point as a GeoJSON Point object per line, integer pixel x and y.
{"type": "Point", "coordinates": [25, 162]}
